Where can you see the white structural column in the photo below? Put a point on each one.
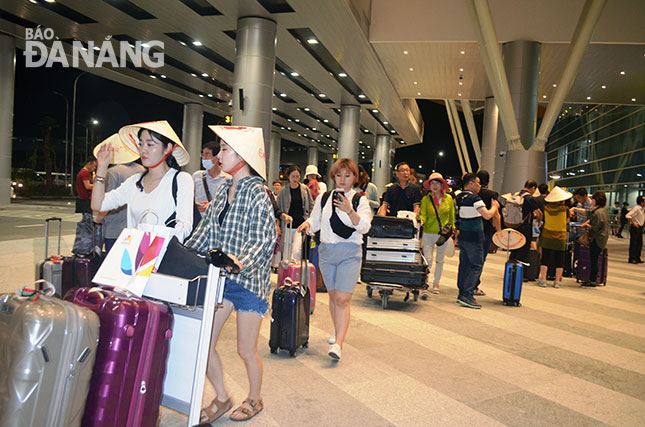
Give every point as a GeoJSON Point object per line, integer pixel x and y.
{"type": "Point", "coordinates": [255, 41]}
{"type": "Point", "coordinates": [382, 162]}
{"type": "Point", "coordinates": [7, 80]}
{"type": "Point", "coordinates": [522, 64]}
{"type": "Point", "coordinates": [312, 156]}
{"type": "Point", "coordinates": [273, 166]}
{"type": "Point", "coordinates": [350, 127]}
{"type": "Point", "coordinates": [454, 136]}
{"type": "Point", "coordinates": [489, 136]}
{"type": "Point", "coordinates": [191, 134]}
{"type": "Point", "coordinates": [327, 177]}
{"type": "Point", "coordinates": [460, 135]}
{"type": "Point", "coordinates": [472, 130]}
{"type": "Point", "coordinates": [492, 59]}
{"type": "Point", "coordinates": [579, 43]}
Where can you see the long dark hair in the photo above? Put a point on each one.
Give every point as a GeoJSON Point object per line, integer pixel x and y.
{"type": "Point", "coordinates": [170, 160]}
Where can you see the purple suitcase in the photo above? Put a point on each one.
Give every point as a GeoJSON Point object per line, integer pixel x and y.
{"type": "Point", "coordinates": [130, 366]}
{"type": "Point", "coordinates": [583, 266]}
{"type": "Point", "coordinates": [78, 271]}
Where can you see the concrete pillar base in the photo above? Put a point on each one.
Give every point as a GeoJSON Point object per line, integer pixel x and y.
{"type": "Point", "coordinates": [191, 134]}
{"type": "Point", "coordinates": [522, 165]}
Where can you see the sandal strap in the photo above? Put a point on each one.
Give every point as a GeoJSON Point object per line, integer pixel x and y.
{"type": "Point", "coordinates": [251, 410]}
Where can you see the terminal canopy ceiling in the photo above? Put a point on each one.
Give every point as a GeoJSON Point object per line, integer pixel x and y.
{"type": "Point", "coordinates": [382, 54]}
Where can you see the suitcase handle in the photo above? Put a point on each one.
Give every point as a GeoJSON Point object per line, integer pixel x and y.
{"type": "Point", "coordinates": [89, 298]}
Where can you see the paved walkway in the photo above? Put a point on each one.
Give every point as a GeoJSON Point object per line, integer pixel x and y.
{"type": "Point", "coordinates": [567, 357]}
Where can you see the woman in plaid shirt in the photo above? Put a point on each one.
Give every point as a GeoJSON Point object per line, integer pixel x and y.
{"type": "Point", "coordinates": [240, 222]}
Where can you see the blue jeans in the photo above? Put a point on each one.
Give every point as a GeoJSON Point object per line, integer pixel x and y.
{"type": "Point", "coordinates": [471, 262]}
{"type": "Point", "coordinates": [488, 239]}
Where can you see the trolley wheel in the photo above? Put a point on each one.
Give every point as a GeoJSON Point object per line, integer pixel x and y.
{"type": "Point", "coordinates": [274, 350]}
{"type": "Point", "coordinates": [384, 298]}
{"type": "Point", "coordinates": [415, 295]}
{"type": "Point", "coordinates": [369, 291]}
{"type": "Point", "coordinates": [305, 345]}
{"type": "Point", "coordinates": [292, 353]}
{"type": "Point", "coordinates": [311, 311]}
{"type": "Point", "coordinates": [407, 296]}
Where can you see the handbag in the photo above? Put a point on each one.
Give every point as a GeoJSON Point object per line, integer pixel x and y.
{"type": "Point", "coordinates": [585, 239]}
{"type": "Point", "coordinates": [446, 231]}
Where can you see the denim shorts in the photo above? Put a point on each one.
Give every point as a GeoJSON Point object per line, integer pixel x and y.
{"type": "Point", "coordinates": [243, 299]}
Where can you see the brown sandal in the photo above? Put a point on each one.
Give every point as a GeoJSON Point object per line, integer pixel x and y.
{"type": "Point", "coordinates": [247, 410]}
{"type": "Point", "coordinates": [215, 410]}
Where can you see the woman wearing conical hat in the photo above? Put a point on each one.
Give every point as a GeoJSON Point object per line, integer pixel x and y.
{"type": "Point", "coordinates": [553, 239]}
{"type": "Point", "coordinates": [239, 221]}
{"type": "Point", "coordinates": [148, 195]}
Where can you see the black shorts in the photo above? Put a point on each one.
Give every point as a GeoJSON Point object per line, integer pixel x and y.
{"type": "Point", "coordinates": [552, 258]}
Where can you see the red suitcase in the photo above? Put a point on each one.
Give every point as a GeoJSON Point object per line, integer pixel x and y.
{"type": "Point", "coordinates": [293, 269]}
{"type": "Point", "coordinates": [130, 366]}
{"type": "Point", "coordinates": [78, 271]}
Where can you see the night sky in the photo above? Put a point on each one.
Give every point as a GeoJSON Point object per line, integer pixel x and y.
{"type": "Point", "coordinates": [115, 105]}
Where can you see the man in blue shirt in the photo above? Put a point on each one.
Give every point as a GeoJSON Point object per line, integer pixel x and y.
{"type": "Point", "coordinates": [471, 238]}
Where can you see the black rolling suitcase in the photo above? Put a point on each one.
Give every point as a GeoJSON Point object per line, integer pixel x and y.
{"type": "Point", "coordinates": [405, 274]}
{"type": "Point", "coordinates": [532, 271]}
{"type": "Point", "coordinates": [392, 227]}
{"type": "Point", "coordinates": [289, 318]}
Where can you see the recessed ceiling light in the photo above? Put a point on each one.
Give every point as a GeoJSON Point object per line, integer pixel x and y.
{"type": "Point", "coordinates": [342, 74]}
{"type": "Point", "coordinates": [604, 87]}
{"type": "Point", "coordinates": [201, 96]}
{"type": "Point", "coordinates": [197, 43]}
{"type": "Point", "coordinates": [463, 52]}
{"type": "Point", "coordinates": [386, 123]}
{"type": "Point", "coordinates": [325, 121]}
{"type": "Point", "coordinates": [461, 83]}
{"type": "Point", "coordinates": [588, 98]}
{"type": "Point", "coordinates": [284, 95]}
{"type": "Point", "coordinates": [405, 52]}
{"type": "Point", "coordinates": [145, 45]}
{"type": "Point", "coordinates": [459, 94]}
{"type": "Point", "coordinates": [307, 108]}
{"type": "Point", "coordinates": [544, 96]}
{"type": "Point", "coordinates": [375, 111]}
{"type": "Point", "coordinates": [152, 76]}
{"type": "Point", "coordinates": [322, 95]}
{"type": "Point", "coordinates": [294, 74]}
{"type": "Point", "coordinates": [210, 95]}
{"type": "Point", "coordinates": [555, 85]}
{"type": "Point", "coordinates": [163, 76]}
{"type": "Point", "coordinates": [633, 99]}
{"type": "Point", "coordinates": [204, 74]}
{"type": "Point", "coordinates": [411, 69]}
{"type": "Point", "coordinates": [33, 1]}
{"type": "Point", "coordinates": [418, 93]}
{"type": "Point", "coordinates": [461, 69]}
{"type": "Point", "coordinates": [361, 96]}
{"type": "Point", "coordinates": [193, 74]}
{"type": "Point", "coordinates": [182, 43]}
{"type": "Point", "coordinates": [622, 73]}
{"type": "Point", "coordinates": [297, 120]}
{"type": "Point", "coordinates": [312, 41]}
{"type": "Point", "coordinates": [97, 48]}
{"type": "Point", "coordinates": [274, 109]}
{"type": "Point", "coordinates": [392, 131]}
{"type": "Point", "coordinates": [415, 82]}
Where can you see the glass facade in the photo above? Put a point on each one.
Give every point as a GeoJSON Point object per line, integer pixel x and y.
{"type": "Point", "coordinates": [599, 147]}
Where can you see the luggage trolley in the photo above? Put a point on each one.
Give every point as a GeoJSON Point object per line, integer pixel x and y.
{"type": "Point", "coordinates": [393, 260]}
{"type": "Point", "coordinates": [193, 302]}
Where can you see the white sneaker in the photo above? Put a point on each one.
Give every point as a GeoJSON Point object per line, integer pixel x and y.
{"type": "Point", "coordinates": [332, 339]}
{"type": "Point", "coordinates": [334, 351]}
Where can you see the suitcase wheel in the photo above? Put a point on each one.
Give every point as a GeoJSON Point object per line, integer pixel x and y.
{"type": "Point", "coordinates": [274, 350]}
{"type": "Point", "coordinates": [369, 291]}
{"type": "Point", "coordinates": [407, 297]}
{"type": "Point", "coordinates": [415, 295]}
{"type": "Point", "coordinates": [305, 345]}
{"type": "Point", "coordinates": [311, 311]}
{"type": "Point", "coordinates": [384, 298]}
{"type": "Point", "coordinates": [292, 353]}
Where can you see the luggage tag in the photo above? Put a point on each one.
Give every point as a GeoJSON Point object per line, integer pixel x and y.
{"type": "Point", "coordinates": [289, 282]}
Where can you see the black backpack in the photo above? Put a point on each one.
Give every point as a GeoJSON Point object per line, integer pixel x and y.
{"type": "Point", "coordinates": [171, 221]}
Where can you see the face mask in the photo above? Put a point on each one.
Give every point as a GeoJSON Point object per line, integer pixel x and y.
{"type": "Point", "coordinates": [207, 163]}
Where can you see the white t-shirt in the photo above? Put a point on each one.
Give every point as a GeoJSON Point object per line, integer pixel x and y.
{"type": "Point", "coordinates": [321, 222]}
{"type": "Point", "coordinates": [155, 207]}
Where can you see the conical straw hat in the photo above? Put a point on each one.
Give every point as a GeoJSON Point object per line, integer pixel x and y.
{"type": "Point", "coordinates": [557, 195]}
{"type": "Point", "coordinates": [247, 142]}
{"type": "Point", "coordinates": [129, 135]}
{"type": "Point", "coordinates": [121, 152]}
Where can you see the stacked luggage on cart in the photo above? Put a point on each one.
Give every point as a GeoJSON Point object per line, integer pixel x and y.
{"type": "Point", "coordinates": [393, 259]}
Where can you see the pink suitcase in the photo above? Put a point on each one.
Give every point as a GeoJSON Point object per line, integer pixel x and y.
{"type": "Point", "coordinates": [292, 268]}
{"type": "Point", "coordinates": [130, 366]}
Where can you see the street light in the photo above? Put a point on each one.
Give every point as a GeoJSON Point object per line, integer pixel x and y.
{"type": "Point", "coordinates": [71, 169]}
{"type": "Point", "coordinates": [439, 154]}
{"type": "Point", "coordinates": [66, 135]}
{"type": "Point", "coordinates": [92, 123]}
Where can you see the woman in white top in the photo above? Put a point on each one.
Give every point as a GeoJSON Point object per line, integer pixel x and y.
{"type": "Point", "coordinates": [342, 221]}
{"type": "Point", "coordinates": [148, 195]}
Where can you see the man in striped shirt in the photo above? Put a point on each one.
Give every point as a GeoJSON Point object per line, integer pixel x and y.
{"type": "Point", "coordinates": [471, 238]}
